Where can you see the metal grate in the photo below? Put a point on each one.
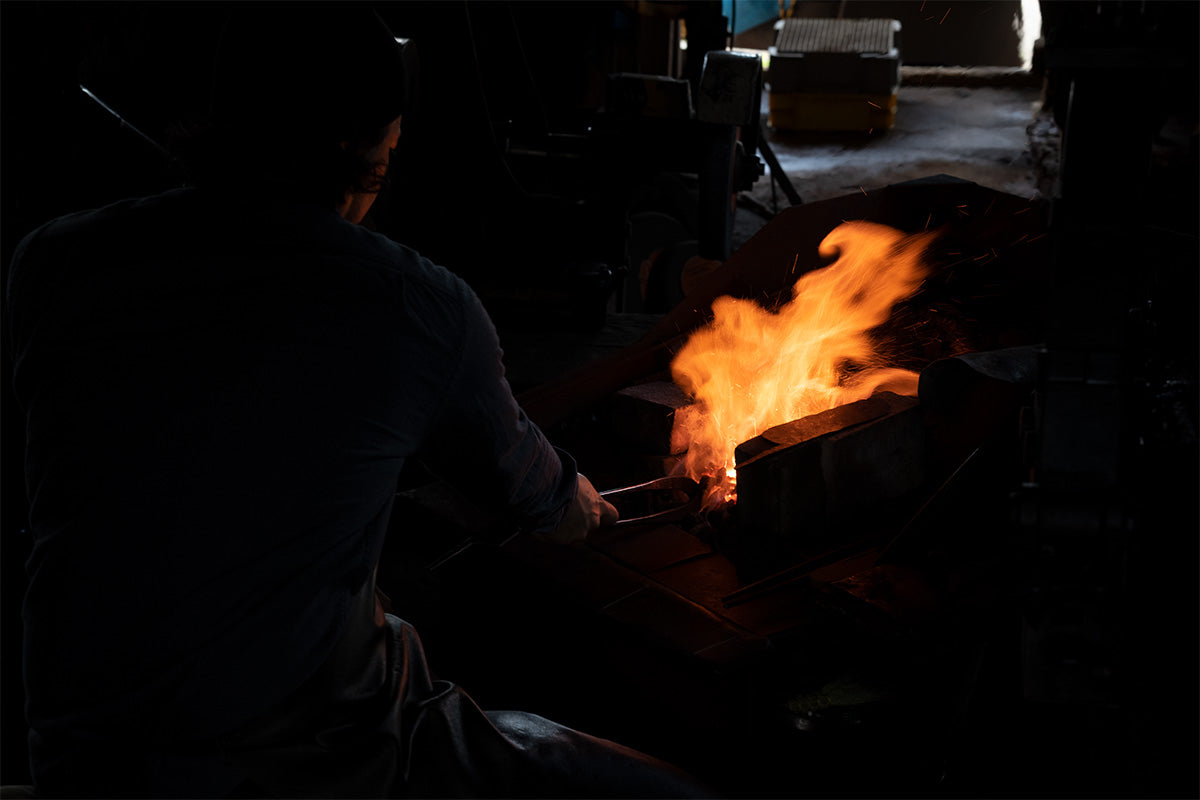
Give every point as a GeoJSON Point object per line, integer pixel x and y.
{"type": "Point", "coordinates": [836, 36]}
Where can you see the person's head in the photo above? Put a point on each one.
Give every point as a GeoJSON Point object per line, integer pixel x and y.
{"type": "Point", "coordinates": [307, 100]}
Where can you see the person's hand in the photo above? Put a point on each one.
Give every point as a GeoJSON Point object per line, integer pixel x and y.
{"type": "Point", "coordinates": [587, 512]}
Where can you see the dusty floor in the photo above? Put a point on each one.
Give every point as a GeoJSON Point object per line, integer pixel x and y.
{"type": "Point", "coordinates": [977, 134]}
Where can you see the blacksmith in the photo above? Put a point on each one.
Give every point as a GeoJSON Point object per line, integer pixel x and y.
{"type": "Point", "coordinates": [222, 384]}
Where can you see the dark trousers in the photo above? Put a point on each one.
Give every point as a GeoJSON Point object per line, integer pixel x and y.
{"type": "Point", "coordinates": [373, 723]}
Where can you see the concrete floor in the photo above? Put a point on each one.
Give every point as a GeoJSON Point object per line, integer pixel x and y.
{"type": "Point", "coordinates": [974, 133]}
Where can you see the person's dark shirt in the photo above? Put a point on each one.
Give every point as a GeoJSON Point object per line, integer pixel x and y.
{"type": "Point", "coordinates": [220, 398]}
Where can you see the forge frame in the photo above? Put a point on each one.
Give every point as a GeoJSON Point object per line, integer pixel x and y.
{"type": "Point", "coordinates": [867, 661]}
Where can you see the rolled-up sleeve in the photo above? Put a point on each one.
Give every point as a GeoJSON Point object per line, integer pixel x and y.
{"type": "Point", "coordinates": [481, 440]}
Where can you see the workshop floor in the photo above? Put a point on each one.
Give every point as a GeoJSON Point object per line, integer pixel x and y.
{"type": "Point", "coordinates": [973, 133]}
{"type": "Point", "coordinates": [978, 134]}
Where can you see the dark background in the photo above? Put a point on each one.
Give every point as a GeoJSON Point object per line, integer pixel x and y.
{"type": "Point", "coordinates": [492, 72]}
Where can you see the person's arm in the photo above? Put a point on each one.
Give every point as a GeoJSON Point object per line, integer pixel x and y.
{"type": "Point", "coordinates": [587, 512]}
{"type": "Point", "coordinates": [483, 443]}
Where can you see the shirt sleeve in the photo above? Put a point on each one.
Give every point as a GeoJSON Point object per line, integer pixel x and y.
{"type": "Point", "coordinates": [481, 441]}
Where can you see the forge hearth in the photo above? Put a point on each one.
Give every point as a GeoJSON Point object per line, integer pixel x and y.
{"type": "Point", "coordinates": [816, 483]}
{"type": "Point", "coordinates": [863, 538]}
{"type": "Point", "coordinates": [804, 487]}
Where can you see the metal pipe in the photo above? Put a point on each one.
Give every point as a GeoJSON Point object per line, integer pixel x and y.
{"type": "Point", "coordinates": [125, 123]}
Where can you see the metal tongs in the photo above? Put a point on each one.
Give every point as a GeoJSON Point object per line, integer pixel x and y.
{"type": "Point", "coordinates": [659, 500]}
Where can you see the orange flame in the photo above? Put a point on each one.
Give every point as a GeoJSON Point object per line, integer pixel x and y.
{"type": "Point", "coordinates": [751, 368]}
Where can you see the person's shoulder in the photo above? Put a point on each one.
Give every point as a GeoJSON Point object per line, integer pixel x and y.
{"type": "Point", "coordinates": [102, 220]}
{"type": "Point", "coordinates": [120, 209]}
{"type": "Point", "coordinates": [417, 271]}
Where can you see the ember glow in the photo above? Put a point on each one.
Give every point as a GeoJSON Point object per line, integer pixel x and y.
{"type": "Point", "coordinates": [752, 368]}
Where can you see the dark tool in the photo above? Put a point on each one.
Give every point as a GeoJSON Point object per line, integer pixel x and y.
{"type": "Point", "coordinates": [125, 123]}
{"type": "Point", "coordinates": [660, 500]}
{"type": "Point", "coordinates": [792, 574]}
{"type": "Point", "coordinates": [777, 174]}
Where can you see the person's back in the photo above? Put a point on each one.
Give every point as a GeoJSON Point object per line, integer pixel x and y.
{"type": "Point", "coordinates": [221, 389]}
{"type": "Point", "coordinates": [219, 400]}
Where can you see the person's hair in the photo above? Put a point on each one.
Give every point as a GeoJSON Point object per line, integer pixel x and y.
{"type": "Point", "coordinates": [229, 158]}
{"type": "Point", "coordinates": [300, 91]}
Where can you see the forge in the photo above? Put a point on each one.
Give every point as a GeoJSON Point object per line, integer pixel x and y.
{"type": "Point", "coordinates": [865, 421]}
{"type": "Point", "coordinates": [862, 533]}
{"type": "Point", "coordinates": [815, 483]}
